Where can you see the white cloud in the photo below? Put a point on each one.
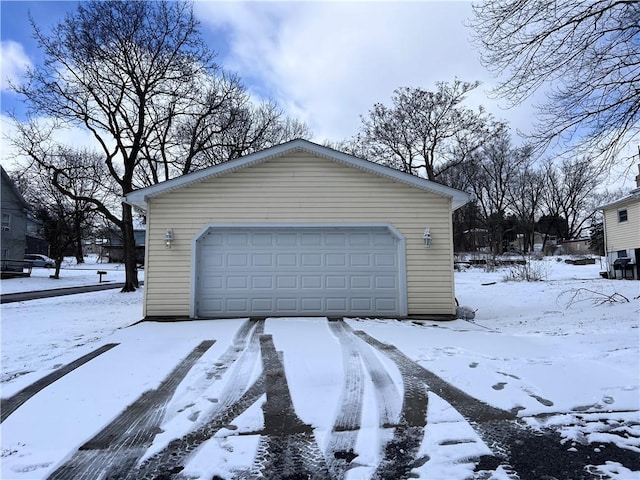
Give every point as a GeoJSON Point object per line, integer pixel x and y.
{"type": "Point", "coordinates": [328, 62]}
{"type": "Point", "coordinates": [13, 63]}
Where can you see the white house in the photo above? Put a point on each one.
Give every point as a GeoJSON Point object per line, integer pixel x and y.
{"type": "Point", "coordinates": [622, 235]}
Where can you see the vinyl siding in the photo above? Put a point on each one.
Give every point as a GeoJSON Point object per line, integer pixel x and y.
{"type": "Point", "coordinates": [299, 188]}
{"type": "Point", "coordinates": [623, 235]}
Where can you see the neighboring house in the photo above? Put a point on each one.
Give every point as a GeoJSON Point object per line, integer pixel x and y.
{"type": "Point", "coordinates": [577, 246]}
{"type": "Point", "coordinates": [622, 235]}
{"type": "Point", "coordinates": [13, 241]}
{"type": "Point", "coordinates": [298, 230]}
{"type": "Point", "coordinates": [114, 249]}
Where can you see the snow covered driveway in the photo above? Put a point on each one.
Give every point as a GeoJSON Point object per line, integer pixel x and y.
{"type": "Point", "coordinates": [309, 398]}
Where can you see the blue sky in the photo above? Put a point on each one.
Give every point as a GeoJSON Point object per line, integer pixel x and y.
{"type": "Point", "coordinates": [325, 63]}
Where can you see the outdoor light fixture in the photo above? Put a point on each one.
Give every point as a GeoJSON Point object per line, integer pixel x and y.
{"type": "Point", "coordinates": [168, 237]}
{"type": "Point", "coordinates": [426, 236]}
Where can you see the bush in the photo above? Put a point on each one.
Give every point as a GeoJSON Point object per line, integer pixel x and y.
{"type": "Point", "coordinates": [528, 272]}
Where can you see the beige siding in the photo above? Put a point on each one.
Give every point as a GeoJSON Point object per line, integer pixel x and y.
{"type": "Point", "coordinates": [299, 188]}
{"type": "Point", "coordinates": [623, 235]}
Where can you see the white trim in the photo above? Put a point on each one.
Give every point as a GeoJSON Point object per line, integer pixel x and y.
{"type": "Point", "coordinates": [139, 198]}
{"type": "Point", "coordinates": [400, 250]}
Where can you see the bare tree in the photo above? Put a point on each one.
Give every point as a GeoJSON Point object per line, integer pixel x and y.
{"type": "Point", "coordinates": [526, 192]}
{"type": "Point", "coordinates": [425, 133]}
{"type": "Point", "coordinates": [491, 174]}
{"type": "Point", "coordinates": [55, 193]}
{"type": "Point", "coordinates": [569, 193]}
{"type": "Point", "coordinates": [139, 77]}
{"type": "Point", "coordinates": [585, 53]}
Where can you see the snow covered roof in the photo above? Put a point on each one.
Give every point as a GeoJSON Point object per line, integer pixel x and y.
{"type": "Point", "coordinates": [634, 196]}
{"type": "Point", "coordinates": [139, 198]}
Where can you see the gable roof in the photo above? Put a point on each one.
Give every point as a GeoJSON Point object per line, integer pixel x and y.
{"type": "Point", "coordinates": [6, 181]}
{"type": "Point", "coordinates": [139, 198]}
{"type": "Point", "coordinates": [634, 196]}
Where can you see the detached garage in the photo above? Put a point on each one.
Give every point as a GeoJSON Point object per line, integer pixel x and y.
{"type": "Point", "coordinates": [298, 230]}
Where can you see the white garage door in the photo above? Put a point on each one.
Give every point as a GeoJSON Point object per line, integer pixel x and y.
{"type": "Point", "coordinates": [287, 271]}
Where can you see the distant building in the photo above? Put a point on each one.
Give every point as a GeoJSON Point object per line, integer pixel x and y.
{"type": "Point", "coordinates": [577, 246]}
{"type": "Point", "coordinates": [114, 249]}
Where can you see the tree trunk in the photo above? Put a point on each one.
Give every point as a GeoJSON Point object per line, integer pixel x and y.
{"type": "Point", "coordinates": [78, 237]}
{"type": "Point", "coordinates": [56, 273]}
{"type": "Point", "coordinates": [129, 247]}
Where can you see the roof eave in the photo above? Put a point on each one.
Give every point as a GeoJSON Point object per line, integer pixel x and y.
{"type": "Point", "coordinates": [139, 198]}
{"type": "Point", "coordinates": [634, 196]}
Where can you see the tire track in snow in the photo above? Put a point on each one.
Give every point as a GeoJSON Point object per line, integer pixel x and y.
{"type": "Point", "coordinates": [12, 403]}
{"type": "Point", "coordinates": [472, 410]}
{"type": "Point", "coordinates": [126, 438]}
{"type": "Point", "coordinates": [469, 407]}
{"type": "Point", "coordinates": [401, 451]}
{"type": "Point", "coordinates": [288, 449]}
{"type": "Point", "coordinates": [525, 453]}
{"type": "Point", "coordinates": [341, 444]}
{"type": "Point", "coordinates": [237, 396]}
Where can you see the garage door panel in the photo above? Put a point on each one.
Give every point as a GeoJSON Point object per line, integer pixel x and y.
{"type": "Point", "coordinates": [361, 282]}
{"type": "Point", "coordinates": [287, 305]}
{"type": "Point", "coordinates": [286, 239]}
{"type": "Point", "coordinates": [261, 239]}
{"type": "Point", "coordinates": [336, 281]}
{"type": "Point", "coordinates": [361, 304]}
{"type": "Point", "coordinates": [311, 259]}
{"type": "Point", "coordinates": [286, 281]}
{"type": "Point", "coordinates": [360, 260]}
{"type": "Point", "coordinates": [238, 239]}
{"type": "Point", "coordinates": [261, 282]}
{"type": "Point", "coordinates": [212, 260]}
{"type": "Point", "coordinates": [262, 305]}
{"type": "Point", "coordinates": [385, 260]}
{"type": "Point", "coordinates": [237, 260]}
{"type": "Point", "coordinates": [388, 282]}
{"type": "Point", "coordinates": [312, 304]}
{"type": "Point", "coordinates": [360, 239]}
{"type": "Point", "coordinates": [216, 282]}
{"type": "Point", "coordinates": [336, 260]}
{"type": "Point", "coordinates": [306, 271]}
{"type": "Point", "coordinates": [383, 240]}
{"type": "Point", "coordinates": [237, 305]}
{"type": "Point", "coordinates": [287, 260]}
{"type": "Point", "coordinates": [261, 260]}
{"type": "Point", "coordinates": [311, 239]}
{"type": "Point", "coordinates": [237, 282]}
{"type": "Point", "coordinates": [336, 304]}
{"type": "Point", "coordinates": [386, 304]}
{"type": "Point", "coordinates": [311, 281]}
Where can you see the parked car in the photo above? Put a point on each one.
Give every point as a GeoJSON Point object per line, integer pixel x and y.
{"type": "Point", "coordinates": [38, 260]}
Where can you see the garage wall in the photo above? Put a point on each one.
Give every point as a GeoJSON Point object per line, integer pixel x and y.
{"type": "Point", "coordinates": [299, 188]}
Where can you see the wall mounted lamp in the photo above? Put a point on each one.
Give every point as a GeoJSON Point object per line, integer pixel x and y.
{"type": "Point", "coordinates": [168, 237]}
{"type": "Point", "coordinates": [426, 236]}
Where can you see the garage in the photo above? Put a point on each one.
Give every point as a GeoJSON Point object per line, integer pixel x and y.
{"type": "Point", "coordinates": [298, 229]}
{"type": "Point", "coordinates": [295, 270]}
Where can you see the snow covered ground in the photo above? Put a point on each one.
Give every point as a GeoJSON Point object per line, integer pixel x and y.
{"type": "Point", "coordinates": [71, 275]}
{"type": "Point", "coordinates": [556, 353]}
